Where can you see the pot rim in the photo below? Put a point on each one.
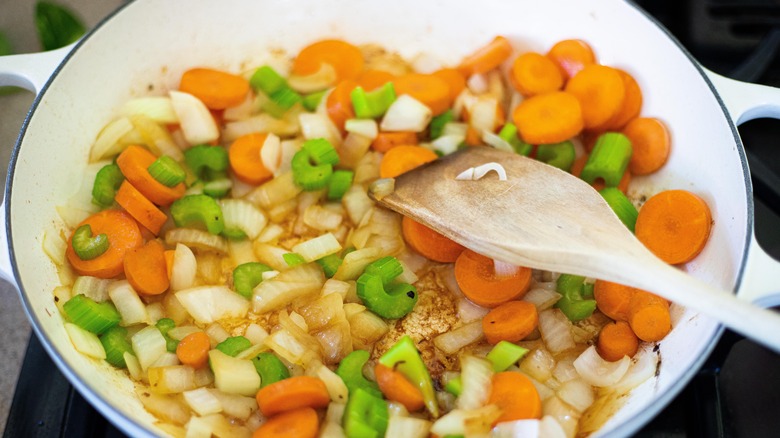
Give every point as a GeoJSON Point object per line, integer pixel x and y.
{"type": "Point", "coordinates": [125, 423]}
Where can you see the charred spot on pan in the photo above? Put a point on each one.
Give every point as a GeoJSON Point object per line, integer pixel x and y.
{"type": "Point", "coordinates": [150, 87]}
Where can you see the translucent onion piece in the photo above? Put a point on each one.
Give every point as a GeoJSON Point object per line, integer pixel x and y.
{"type": "Point", "coordinates": [61, 296]}
{"type": "Point", "coordinates": [542, 298]}
{"type": "Point", "coordinates": [92, 287]}
{"type": "Point", "coordinates": [454, 340]}
{"type": "Point", "coordinates": [357, 203]}
{"type": "Point", "coordinates": [319, 126]}
{"type": "Point", "coordinates": [483, 114]}
{"type": "Point", "coordinates": [128, 303]}
{"type": "Point", "coordinates": [253, 351]}
{"type": "Point", "coordinates": [133, 367]}
{"type": "Point", "coordinates": [270, 233]}
{"type": "Point", "coordinates": [455, 128]}
{"type": "Point", "coordinates": [271, 153]}
{"type": "Point", "coordinates": [564, 369]}
{"type": "Point", "coordinates": [85, 342]}
{"type": "Point", "coordinates": [556, 331]}
{"type": "Point", "coordinates": [599, 372]}
{"type": "Point", "coordinates": [468, 311]}
{"type": "Point", "coordinates": [196, 239]}
{"type": "Point", "coordinates": [233, 375]}
{"type": "Point", "coordinates": [320, 312]}
{"type": "Point", "coordinates": [217, 333]}
{"type": "Point", "coordinates": [476, 375]}
{"type": "Point", "coordinates": [291, 349]}
{"type": "Point", "coordinates": [478, 83]}
{"type": "Point", "coordinates": [243, 215]}
{"type": "Point", "coordinates": [333, 286]}
{"type": "Point", "coordinates": [355, 262]}
{"type": "Point", "coordinates": [207, 304]}
{"type": "Point", "coordinates": [320, 80]}
{"type": "Point", "coordinates": [364, 127]}
{"type": "Point", "coordinates": [202, 401]}
{"type": "Point", "coordinates": [503, 269]}
{"type": "Point", "coordinates": [538, 364]}
{"type": "Point", "coordinates": [406, 114]}
{"type": "Point", "coordinates": [643, 367]}
{"type": "Point", "coordinates": [366, 328]}
{"type": "Point", "coordinates": [148, 345]}
{"type": "Point", "coordinates": [320, 218]}
{"type": "Point", "coordinates": [367, 169]}
{"type": "Point", "coordinates": [274, 192]}
{"type": "Point", "coordinates": [300, 281]}
{"type": "Point", "coordinates": [240, 111]}
{"type": "Point", "coordinates": [156, 137]}
{"type": "Point", "coordinates": [288, 151]}
{"type": "Point", "coordinates": [492, 139]}
{"type": "Point", "coordinates": [408, 427]}
{"type": "Point", "coordinates": [577, 394]}
{"type": "Point", "coordinates": [335, 340]}
{"type": "Point", "coordinates": [180, 332]}
{"type": "Point", "coordinates": [171, 379]}
{"type": "Point", "coordinates": [566, 417]}
{"type": "Point", "coordinates": [155, 311]}
{"type": "Point", "coordinates": [475, 422]}
{"type": "Point", "coordinates": [241, 251]}
{"type": "Point", "coordinates": [167, 408]}
{"type": "Point", "coordinates": [107, 142]}
{"type": "Point", "coordinates": [234, 405]}
{"type": "Point", "coordinates": [447, 143]}
{"type": "Point", "coordinates": [54, 245]}
{"type": "Point", "coordinates": [264, 122]}
{"type": "Point", "coordinates": [255, 334]}
{"type": "Point", "coordinates": [196, 122]}
{"type": "Point", "coordinates": [353, 149]}
{"type": "Point", "coordinates": [336, 387]}
{"type": "Point", "coordinates": [157, 108]}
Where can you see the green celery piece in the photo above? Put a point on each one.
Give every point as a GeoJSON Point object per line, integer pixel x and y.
{"type": "Point", "coordinates": [308, 176]}
{"type": "Point", "coordinates": [330, 264]}
{"type": "Point", "coordinates": [505, 354]}
{"type": "Point", "coordinates": [86, 246]}
{"type": "Point", "coordinates": [365, 415]}
{"type": "Point", "coordinates": [234, 345]}
{"type": "Point", "coordinates": [387, 268]}
{"type": "Point", "coordinates": [312, 101]}
{"type": "Point", "coordinates": [248, 275]}
{"type": "Point", "coordinates": [115, 344]}
{"type": "Point", "coordinates": [321, 151]}
{"type": "Point", "coordinates": [372, 104]}
{"type": "Point", "coordinates": [57, 25]}
{"type": "Point", "coordinates": [560, 155]}
{"type": "Point", "coordinates": [293, 259]}
{"type": "Point", "coordinates": [198, 209]}
{"type": "Point", "coordinates": [608, 160]}
{"type": "Point", "coordinates": [572, 303]}
{"type": "Point", "coordinates": [267, 80]}
{"type": "Point", "coordinates": [509, 134]}
{"type": "Point", "coordinates": [165, 325]}
{"type": "Point", "coordinates": [286, 98]}
{"type": "Point", "coordinates": [391, 301]}
{"type": "Point", "coordinates": [622, 207]}
{"type": "Point", "coordinates": [437, 123]}
{"type": "Point", "coordinates": [404, 358]}
{"type": "Point", "coordinates": [270, 368]}
{"type": "Point", "coordinates": [107, 182]}
{"type": "Point", "coordinates": [351, 372]}
{"type": "Point", "coordinates": [90, 315]}
{"type": "Point", "coordinates": [167, 171]}
{"type": "Point", "coordinates": [217, 188]}
{"type": "Point", "coordinates": [339, 183]}
{"type": "Point", "coordinates": [454, 386]}
{"type": "Point", "coordinates": [207, 162]}
{"type": "Point", "coordinates": [587, 291]}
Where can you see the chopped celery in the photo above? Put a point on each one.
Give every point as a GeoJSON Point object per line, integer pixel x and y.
{"type": "Point", "coordinates": [404, 358]}
{"type": "Point", "coordinates": [116, 344]}
{"type": "Point", "coordinates": [90, 315]}
{"type": "Point", "coordinates": [322, 152]}
{"type": "Point", "coordinates": [388, 301]}
{"type": "Point", "coordinates": [505, 354]}
{"type": "Point", "coordinates": [165, 325]}
{"type": "Point", "coordinates": [86, 246]}
{"type": "Point", "coordinates": [207, 162]}
{"type": "Point", "coordinates": [572, 303]}
{"type": "Point", "coordinates": [330, 264]}
{"type": "Point", "coordinates": [308, 176]}
{"type": "Point", "coordinates": [293, 259]}
{"type": "Point", "coordinates": [198, 209]}
{"type": "Point", "coordinates": [217, 188]}
{"type": "Point", "coordinates": [365, 415]}
{"type": "Point", "coordinates": [608, 160]}
{"type": "Point", "coordinates": [248, 275]}
{"type": "Point", "coordinates": [312, 101]}
{"type": "Point", "coordinates": [622, 207]}
{"type": "Point", "coordinates": [509, 134]}
{"type": "Point", "coordinates": [167, 171]}
{"type": "Point", "coordinates": [560, 155]}
{"type": "Point", "coordinates": [270, 368]}
{"type": "Point", "coordinates": [372, 104]}
{"type": "Point", "coordinates": [351, 372]}
{"type": "Point", "coordinates": [234, 345]}
{"type": "Point", "coordinates": [387, 268]}
{"type": "Point", "coordinates": [340, 182]}
{"type": "Point", "coordinates": [107, 182]}
{"type": "Point", "coordinates": [454, 386]}
{"type": "Point", "coordinates": [437, 123]}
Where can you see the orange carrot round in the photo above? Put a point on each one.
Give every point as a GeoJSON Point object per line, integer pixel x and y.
{"type": "Point", "coordinates": [430, 243]}
{"type": "Point", "coordinates": [372, 79]}
{"type": "Point", "coordinates": [572, 56]}
{"type": "Point", "coordinates": [516, 395]}
{"type": "Point", "coordinates": [454, 80]}
{"type": "Point", "coordinates": [135, 203]}
{"type": "Point", "coordinates": [617, 340]}
{"type": "Point", "coordinates": [345, 58]}
{"type": "Point", "coordinates": [292, 393]}
{"type": "Point", "coordinates": [429, 89]}
{"type": "Point", "coordinates": [397, 388]}
{"type": "Point", "coordinates": [339, 104]}
{"type": "Point", "coordinates": [650, 142]}
{"type": "Point", "coordinates": [674, 225]}
{"type": "Point", "coordinates": [134, 162]}
{"type": "Point", "coordinates": [123, 235]}
{"type": "Point", "coordinates": [487, 57]}
{"type": "Point", "coordinates": [477, 278]}
{"type": "Point", "coordinates": [300, 423]}
{"type": "Point", "coordinates": [649, 316]}
{"type": "Point", "coordinates": [600, 91]}
{"type": "Point", "coordinates": [216, 89]}
{"type": "Point", "coordinates": [533, 73]}
{"type": "Point", "coordinates": [245, 160]}
{"type": "Point", "coordinates": [193, 349]}
{"type": "Point", "coordinates": [613, 299]}
{"type": "Point", "coordinates": [632, 102]}
{"type": "Point", "coordinates": [385, 141]}
{"type": "Point", "coordinates": [404, 158]}
{"type": "Point", "coordinates": [146, 269]}
{"type": "Point", "coordinates": [548, 118]}
{"type": "Point", "coordinates": [511, 321]}
{"type": "Point", "coordinates": [169, 254]}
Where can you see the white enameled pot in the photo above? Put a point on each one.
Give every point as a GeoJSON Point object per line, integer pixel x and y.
{"type": "Point", "coordinates": [143, 48]}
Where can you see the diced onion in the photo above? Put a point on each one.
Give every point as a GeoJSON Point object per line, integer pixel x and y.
{"type": "Point", "coordinates": [447, 143]}
{"type": "Point", "coordinates": [171, 379]}
{"type": "Point", "coordinates": [235, 405]}
{"type": "Point", "coordinates": [167, 408]}
{"type": "Point", "coordinates": [184, 268]}
{"type": "Point", "coordinates": [382, 187]}
{"type": "Point", "coordinates": [107, 142]}
{"type": "Point", "coordinates": [321, 79]}
{"type": "Point", "coordinates": [357, 203]}
{"type": "Point", "coordinates": [241, 111]}
{"type": "Point", "coordinates": [216, 333]}
{"type": "Point", "coordinates": [367, 169]}
{"type": "Point", "coordinates": [408, 427]}
{"type": "Point", "coordinates": [454, 340]}
{"type": "Point", "coordinates": [207, 304]}
{"type": "Point", "coordinates": [300, 281]}
{"type": "Point", "coordinates": [483, 114]}
{"type": "Point", "coordinates": [85, 342]}
{"type": "Point", "coordinates": [287, 346]}
{"type": "Point", "coordinates": [133, 367]}
{"type": "Point", "coordinates": [243, 215]}
{"type": "Point", "coordinates": [274, 192]}
{"type": "Point", "coordinates": [255, 334]}
{"type": "Point", "coordinates": [478, 83]}
{"type": "Point", "coordinates": [467, 422]}
{"type": "Point", "coordinates": [643, 367]}
{"type": "Point", "coordinates": [196, 239]}
{"type": "Point", "coordinates": [353, 149]}
{"type": "Point", "coordinates": [366, 328]}
{"type": "Point", "coordinates": [232, 375]}
{"type": "Point", "coordinates": [565, 416]}
{"type": "Point", "coordinates": [335, 385]}
{"type": "Point", "coordinates": [556, 331]}
{"type": "Point", "coordinates": [492, 139]}
{"type": "Point", "coordinates": [355, 262]}
{"type": "Point", "coordinates": [542, 298]}
{"type": "Point", "coordinates": [148, 345]}
{"type": "Point", "coordinates": [320, 218]}
{"type": "Point", "coordinates": [364, 127]}
{"type": "Point", "coordinates": [468, 311]}
{"type": "Point", "coordinates": [455, 128]}
{"type": "Point", "coordinates": [270, 233]}
{"type": "Point", "coordinates": [196, 122]}
{"type": "Point", "coordinates": [92, 287]}
{"type": "Point", "coordinates": [577, 394]}
{"type": "Point", "coordinates": [564, 369]}
{"type": "Point", "coordinates": [182, 331]}
{"type": "Point", "coordinates": [157, 108]}
{"type": "Point", "coordinates": [406, 114]}
{"type": "Point", "coordinates": [54, 245]}
{"type": "Point", "coordinates": [263, 122]}
{"type": "Point", "coordinates": [319, 126]}
{"type": "Point", "coordinates": [599, 372]}
{"type": "Point", "coordinates": [476, 375]}
{"type": "Point", "coordinates": [538, 364]}
{"type": "Point", "coordinates": [128, 303]}
{"type": "Point", "coordinates": [202, 401]}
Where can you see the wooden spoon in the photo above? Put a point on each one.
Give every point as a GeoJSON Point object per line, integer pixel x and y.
{"type": "Point", "coordinates": [545, 218]}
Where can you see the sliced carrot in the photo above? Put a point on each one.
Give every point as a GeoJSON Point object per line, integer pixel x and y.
{"type": "Point", "coordinates": [454, 80]}
{"type": "Point", "coordinates": [549, 118]}
{"type": "Point", "coordinates": [674, 225]}
{"type": "Point", "coordinates": [473, 136]}
{"type": "Point", "coordinates": [613, 299]}
{"type": "Point", "coordinates": [533, 73]}
{"type": "Point", "coordinates": [650, 142]}
{"type": "Point", "coordinates": [487, 57]}
{"type": "Point", "coordinates": [385, 141]}
{"type": "Point", "coordinates": [372, 79]}
{"type": "Point", "coordinates": [135, 203]}
{"type": "Point", "coordinates": [123, 235]}
{"type": "Point", "coordinates": [300, 423]}
{"type": "Point", "coordinates": [397, 388]}
{"type": "Point", "coordinates": [216, 89]}
{"type": "Point", "coordinates": [134, 162]}
{"type": "Point", "coordinates": [649, 316]}
{"type": "Point", "coordinates": [511, 321]}
{"type": "Point", "coordinates": [477, 278]}
{"type": "Point", "coordinates": [344, 57]}
{"type": "Point", "coordinates": [516, 396]}
{"type": "Point", "coordinates": [339, 104]}
{"type": "Point", "coordinates": [616, 340]}
{"type": "Point", "coordinates": [430, 243]}
{"type": "Point", "coordinates": [571, 56]}
{"type": "Point", "coordinates": [193, 349]}
{"type": "Point", "coordinates": [146, 270]}
{"type": "Point", "coordinates": [292, 393]}
{"type": "Point", "coordinates": [429, 89]}
{"type": "Point", "coordinates": [169, 253]}
{"type": "Point", "coordinates": [404, 158]}
{"type": "Point", "coordinates": [632, 102]}
{"type": "Point", "coordinates": [245, 160]}
{"type": "Point", "coordinates": [600, 91]}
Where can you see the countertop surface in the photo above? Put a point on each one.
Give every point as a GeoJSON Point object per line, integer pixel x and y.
{"type": "Point", "coordinates": [18, 24]}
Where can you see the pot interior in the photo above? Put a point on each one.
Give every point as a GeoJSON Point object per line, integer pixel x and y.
{"type": "Point", "coordinates": [143, 49]}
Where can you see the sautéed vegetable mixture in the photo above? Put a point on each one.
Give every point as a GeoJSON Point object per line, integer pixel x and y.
{"type": "Point", "coordinates": [226, 254]}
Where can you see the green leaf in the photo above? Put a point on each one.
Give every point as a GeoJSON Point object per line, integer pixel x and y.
{"type": "Point", "coordinates": [57, 25]}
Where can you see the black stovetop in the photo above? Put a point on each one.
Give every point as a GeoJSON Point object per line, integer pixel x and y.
{"type": "Point", "coordinates": [737, 391]}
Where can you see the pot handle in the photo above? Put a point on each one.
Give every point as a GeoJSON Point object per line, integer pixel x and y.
{"type": "Point", "coordinates": [6, 269]}
{"type": "Point", "coordinates": [745, 101]}
{"type": "Point", "coordinates": [31, 70]}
